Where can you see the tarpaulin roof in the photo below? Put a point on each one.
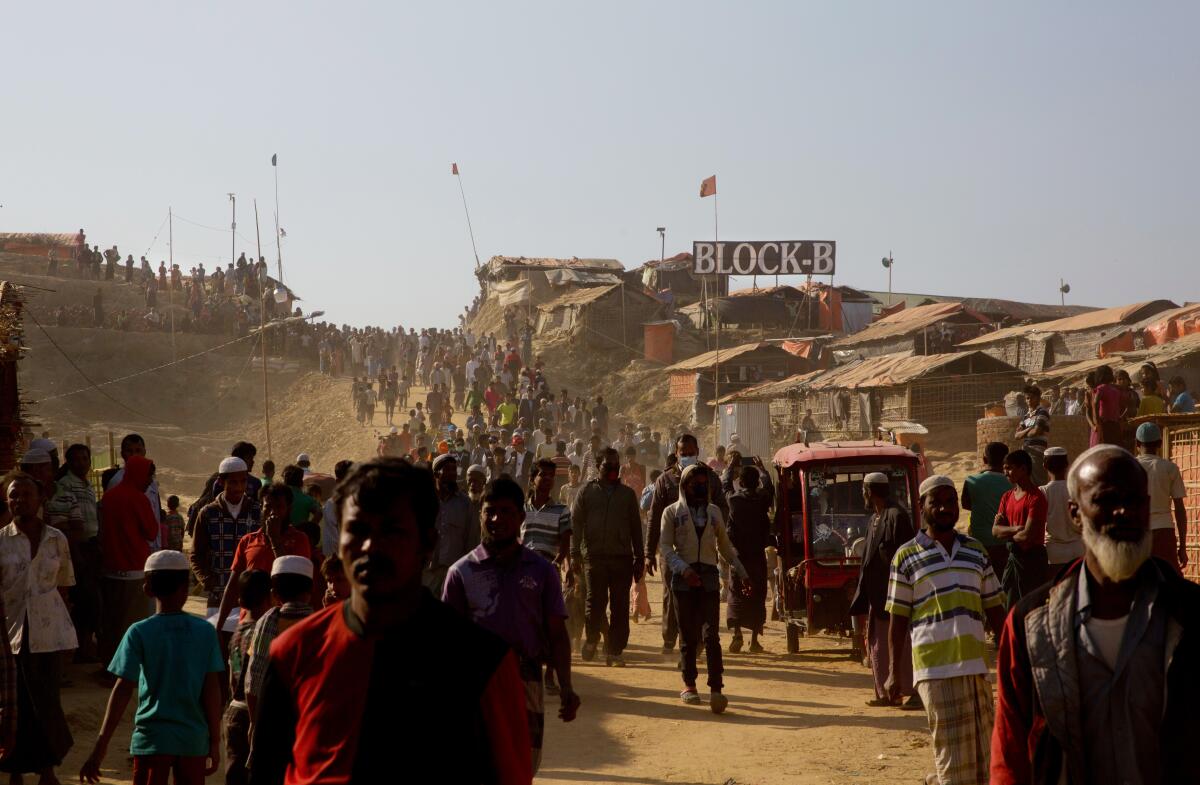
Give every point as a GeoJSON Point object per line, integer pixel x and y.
{"type": "Point", "coordinates": [910, 320]}
{"type": "Point", "coordinates": [1093, 320]}
{"type": "Point", "coordinates": [680, 261]}
{"type": "Point", "coordinates": [709, 359]}
{"type": "Point", "coordinates": [566, 276]}
{"type": "Point", "coordinates": [497, 263]}
{"type": "Point", "coordinates": [991, 306]}
{"type": "Point", "coordinates": [887, 370]}
{"type": "Point", "coordinates": [590, 295]}
{"type": "Point", "coordinates": [783, 291]}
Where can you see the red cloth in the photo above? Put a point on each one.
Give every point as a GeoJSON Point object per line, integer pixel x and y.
{"type": "Point", "coordinates": [127, 521]}
{"type": "Point", "coordinates": [329, 670]}
{"type": "Point", "coordinates": [1018, 511]}
{"type": "Point", "coordinates": [253, 552]}
{"type": "Point", "coordinates": [1019, 723]}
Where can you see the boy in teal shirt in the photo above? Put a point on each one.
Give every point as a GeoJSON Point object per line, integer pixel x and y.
{"type": "Point", "coordinates": [174, 661]}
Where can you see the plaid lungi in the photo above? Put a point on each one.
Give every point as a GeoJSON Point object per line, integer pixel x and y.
{"type": "Point", "coordinates": [960, 714]}
{"type": "Point", "coordinates": [535, 706]}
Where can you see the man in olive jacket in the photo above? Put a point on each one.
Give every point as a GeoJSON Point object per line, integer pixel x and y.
{"type": "Point", "coordinates": [606, 545]}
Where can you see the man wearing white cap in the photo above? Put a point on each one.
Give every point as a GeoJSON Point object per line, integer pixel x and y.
{"type": "Point", "coordinates": [305, 463]}
{"type": "Point", "coordinates": [890, 528]}
{"type": "Point", "coordinates": [1063, 543]}
{"type": "Point", "coordinates": [60, 507]}
{"type": "Point", "coordinates": [220, 524]}
{"type": "Point", "coordinates": [941, 587]}
{"type": "Point", "coordinates": [291, 588]}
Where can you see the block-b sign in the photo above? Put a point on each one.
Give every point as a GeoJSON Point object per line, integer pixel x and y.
{"type": "Point", "coordinates": [783, 257]}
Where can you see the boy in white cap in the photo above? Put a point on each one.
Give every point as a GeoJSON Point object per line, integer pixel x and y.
{"type": "Point", "coordinates": [173, 661]}
{"type": "Point", "coordinates": [940, 589]}
{"type": "Point", "coordinates": [1168, 518]}
{"type": "Point", "coordinates": [291, 589]}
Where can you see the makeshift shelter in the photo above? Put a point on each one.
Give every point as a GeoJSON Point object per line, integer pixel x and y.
{"type": "Point", "coordinates": [527, 283]}
{"type": "Point", "coordinates": [1036, 347]}
{"type": "Point", "coordinates": [674, 282]}
{"type": "Point", "coordinates": [11, 422]}
{"type": "Point", "coordinates": [1180, 357]}
{"type": "Point", "coordinates": [603, 316]}
{"type": "Point", "coordinates": [815, 307]}
{"type": "Point", "coordinates": [933, 390]}
{"type": "Point", "coordinates": [1002, 312]}
{"type": "Point", "coordinates": [739, 367]}
{"type": "Point", "coordinates": [38, 244]}
{"type": "Point", "coordinates": [926, 329]}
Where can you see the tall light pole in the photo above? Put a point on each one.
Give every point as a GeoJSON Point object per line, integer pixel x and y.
{"type": "Point", "coordinates": [662, 234]}
{"type": "Point", "coordinates": [888, 262]}
{"type": "Point", "coordinates": [233, 229]}
{"type": "Point", "coordinates": [1064, 289]}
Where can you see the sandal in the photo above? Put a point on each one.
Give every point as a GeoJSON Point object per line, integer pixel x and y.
{"type": "Point", "coordinates": [879, 702]}
{"type": "Point", "coordinates": [690, 696]}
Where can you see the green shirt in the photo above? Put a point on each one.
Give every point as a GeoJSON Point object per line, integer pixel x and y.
{"type": "Point", "coordinates": [507, 412]}
{"type": "Point", "coordinates": [168, 656]}
{"type": "Point", "coordinates": [303, 507]}
{"type": "Point", "coordinates": [985, 490]}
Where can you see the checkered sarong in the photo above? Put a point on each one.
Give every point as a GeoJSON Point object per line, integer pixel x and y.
{"type": "Point", "coordinates": [960, 714]}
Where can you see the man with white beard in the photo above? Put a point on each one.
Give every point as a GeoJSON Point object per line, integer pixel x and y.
{"type": "Point", "coordinates": [1096, 670]}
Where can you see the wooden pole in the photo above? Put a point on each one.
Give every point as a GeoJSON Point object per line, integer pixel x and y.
{"type": "Point", "coordinates": [171, 276]}
{"type": "Point", "coordinates": [262, 337]}
{"type": "Point", "coordinates": [717, 358]}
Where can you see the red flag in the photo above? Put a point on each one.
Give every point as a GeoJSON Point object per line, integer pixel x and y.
{"type": "Point", "coordinates": [708, 186]}
{"type": "Point", "coordinates": [453, 168]}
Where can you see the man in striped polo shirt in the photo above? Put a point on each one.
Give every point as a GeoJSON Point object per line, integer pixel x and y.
{"type": "Point", "coordinates": [547, 526]}
{"type": "Point", "coordinates": [940, 588]}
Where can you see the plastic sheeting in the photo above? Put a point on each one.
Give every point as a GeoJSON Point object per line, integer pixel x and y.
{"type": "Point", "coordinates": [511, 292]}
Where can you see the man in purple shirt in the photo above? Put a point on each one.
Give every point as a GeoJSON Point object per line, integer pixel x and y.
{"type": "Point", "coordinates": [516, 594]}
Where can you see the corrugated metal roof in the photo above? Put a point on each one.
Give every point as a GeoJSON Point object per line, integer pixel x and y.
{"type": "Point", "coordinates": [1018, 311]}
{"type": "Point", "coordinates": [709, 359]}
{"type": "Point", "coordinates": [886, 370]}
{"type": "Point", "coordinates": [908, 321]}
{"type": "Point", "coordinates": [1107, 317]}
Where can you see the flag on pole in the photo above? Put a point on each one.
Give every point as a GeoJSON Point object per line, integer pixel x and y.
{"type": "Point", "coordinates": [708, 186]}
{"type": "Point", "coordinates": [274, 158]}
{"type": "Point", "coordinates": [453, 168]}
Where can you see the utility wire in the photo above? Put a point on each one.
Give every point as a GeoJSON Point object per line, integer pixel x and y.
{"type": "Point", "coordinates": [92, 384]}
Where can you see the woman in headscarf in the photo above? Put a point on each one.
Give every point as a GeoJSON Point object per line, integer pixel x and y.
{"type": "Point", "coordinates": [35, 574]}
{"type": "Point", "coordinates": [693, 532]}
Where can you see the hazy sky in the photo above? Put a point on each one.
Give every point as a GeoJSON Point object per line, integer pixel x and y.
{"type": "Point", "coordinates": [991, 148]}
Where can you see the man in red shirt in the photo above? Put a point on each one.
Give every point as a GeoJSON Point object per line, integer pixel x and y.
{"type": "Point", "coordinates": [390, 680]}
{"type": "Point", "coordinates": [1021, 521]}
{"type": "Point", "coordinates": [127, 525]}
{"type": "Point", "coordinates": [259, 549]}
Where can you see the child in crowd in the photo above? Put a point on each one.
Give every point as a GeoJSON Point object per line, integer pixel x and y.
{"type": "Point", "coordinates": [255, 598]}
{"type": "Point", "coordinates": [337, 587]}
{"type": "Point", "coordinates": [173, 661]}
{"type": "Point", "coordinates": [172, 526]}
{"type": "Point", "coordinates": [268, 475]}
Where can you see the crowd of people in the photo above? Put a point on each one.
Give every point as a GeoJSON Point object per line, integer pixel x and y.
{"type": "Point", "coordinates": [463, 569]}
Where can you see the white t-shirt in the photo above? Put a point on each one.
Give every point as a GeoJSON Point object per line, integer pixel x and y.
{"type": "Point", "coordinates": [1165, 484]}
{"type": "Point", "coordinates": [1063, 544]}
{"type": "Point", "coordinates": [1107, 635]}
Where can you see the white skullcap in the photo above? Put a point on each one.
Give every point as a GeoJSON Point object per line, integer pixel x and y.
{"type": "Point", "coordinates": [394, 430]}
{"type": "Point", "coordinates": [231, 465]}
{"type": "Point", "coordinates": [165, 561]}
{"type": "Point", "coordinates": [42, 443]}
{"type": "Point", "coordinates": [476, 469]}
{"type": "Point", "coordinates": [876, 478]}
{"type": "Point", "coordinates": [34, 456]}
{"type": "Point", "coordinates": [935, 481]}
{"type": "Point", "coordinates": [292, 565]}
{"type": "Point", "coordinates": [303, 458]}
{"type": "Point", "coordinates": [1053, 452]}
